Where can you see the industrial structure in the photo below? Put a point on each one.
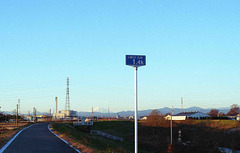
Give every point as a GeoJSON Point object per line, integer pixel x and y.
{"type": "Point", "coordinates": [67, 113]}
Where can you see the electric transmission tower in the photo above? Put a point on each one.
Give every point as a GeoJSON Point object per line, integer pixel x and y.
{"type": "Point", "coordinates": [67, 105]}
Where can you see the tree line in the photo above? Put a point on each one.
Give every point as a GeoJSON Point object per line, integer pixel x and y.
{"type": "Point", "coordinates": [234, 111]}
{"type": "Point", "coordinates": [7, 117]}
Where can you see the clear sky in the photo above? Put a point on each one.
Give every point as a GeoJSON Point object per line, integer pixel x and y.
{"type": "Point", "coordinates": [192, 50]}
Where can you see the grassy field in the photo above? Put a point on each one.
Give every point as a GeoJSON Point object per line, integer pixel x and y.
{"type": "Point", "coordinates": [122, 129]}
{"type": "Point", "coordinates": [97, 143]}
{"type": "Point", "coordinates": [218, 124]}
{"type": "Point", "coordinates": [200, 136]}
{"type": "Point", "coordinates": [206, 134]}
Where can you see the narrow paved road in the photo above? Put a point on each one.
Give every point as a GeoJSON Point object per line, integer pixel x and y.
{"type": "Point", "coordinates": [38, 139]}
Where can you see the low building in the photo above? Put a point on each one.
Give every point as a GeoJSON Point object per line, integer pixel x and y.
{"type": "Point", "coordinates": [187, 115]}
{"type": "Point", "coordinates": [65, 114]}
{"type": "Point", "coordinates": [143, 117]}
{"type": "Point", "coordinates": [131, 117]}
{"type": "Point", "coordinates": [176, 118]}
{"type": "Point", "coordinates": [28, 118]}
{"type": "Point", "coordinates": [238, 117]}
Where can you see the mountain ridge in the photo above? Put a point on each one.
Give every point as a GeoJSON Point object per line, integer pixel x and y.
{"type": "Point", "coordinates": [146, 112]}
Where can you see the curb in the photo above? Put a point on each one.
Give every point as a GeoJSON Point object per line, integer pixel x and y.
{"type": "Point", "coordinates": [62, 140]}
{"type": "Point", "coordinates": [10, 141]}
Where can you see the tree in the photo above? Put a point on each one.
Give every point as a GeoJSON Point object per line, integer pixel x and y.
{"type": "Point", "coordinates": [213, 113]}
{"type": "Point", "coordinates": [156, 119]}
{"type": "Point", "coordinates": [221, 114]}
{"type": "Point", "coordinates": [234, 110]}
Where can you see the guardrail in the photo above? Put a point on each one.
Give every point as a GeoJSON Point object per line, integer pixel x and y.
{"type": "Point", "coordinates": [106, 135]}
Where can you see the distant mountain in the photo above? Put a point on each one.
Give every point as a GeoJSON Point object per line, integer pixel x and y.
{"type": "Point", "coordinates": [101, 112]}
{"type": "Point", "coordinates": [100, 109]}
{"type": "Point", "coordinates": [6, 112]}
{"type": "Point", "coordinates": [148, 111]}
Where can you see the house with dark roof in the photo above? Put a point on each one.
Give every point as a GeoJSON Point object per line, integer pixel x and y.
{"type": "Point", "coordinates": [187, 115]}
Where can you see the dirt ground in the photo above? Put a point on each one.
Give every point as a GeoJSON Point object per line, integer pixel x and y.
{"type": "Point", "coordinates": [8, 130]}
{"type": "Point", "coordinates": [11, 125]}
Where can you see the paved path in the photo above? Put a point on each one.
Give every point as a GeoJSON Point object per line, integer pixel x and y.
{"type": "Point", "coordinates": [38, 139]}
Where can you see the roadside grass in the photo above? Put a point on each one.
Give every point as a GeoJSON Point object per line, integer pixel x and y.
{"type": "Point", "coordinates": [202, 135]}
{"type": "Point", "coordinates": [196, 136]}
{"type": "Point", "coordinates": [97, 143]}
{"type": "Point", "coordinates": [123, 129]}
{"type": "Point", "coordinates": [205, 134]}
{"type": "Point", "coordinates": [217, 124]}
{"type": "Point", "coordinates": [7, 132]}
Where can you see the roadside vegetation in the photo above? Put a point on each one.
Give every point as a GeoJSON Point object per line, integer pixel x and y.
{"type": "Point", "coordinates": [197, 136]}
{"type": "Point", "coordinates": [8, 130]}
{"type": "Point", "coordinates": [122, 129]}
{"type": "Point", "coordinates": [86, 142]}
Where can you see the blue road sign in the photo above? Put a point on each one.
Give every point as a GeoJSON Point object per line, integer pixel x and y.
{"type": "Point", "coordinates": [136, 60]}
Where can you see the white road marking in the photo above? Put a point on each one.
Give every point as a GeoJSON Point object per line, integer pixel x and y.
{"type": "Point", "coordinates": [9, 142]}
{"type": "Point", "coordinates": [62, 140]}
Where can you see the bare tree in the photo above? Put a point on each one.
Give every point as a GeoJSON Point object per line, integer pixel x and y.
{"type": "Point", "coordinates": [213, 113]}
{"type": "Point", "coordinates": [156, 119]}
{"type": "Point", "coordinates": [234, 110]}
{"type": "Point", "coordinates": [221, 114]}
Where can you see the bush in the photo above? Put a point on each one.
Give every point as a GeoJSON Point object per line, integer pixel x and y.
{"type": "Point", "coordinates": [156, 119]}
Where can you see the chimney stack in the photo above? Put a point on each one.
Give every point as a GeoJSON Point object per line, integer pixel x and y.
{"type": "Point", "coordinates": [56, 105]}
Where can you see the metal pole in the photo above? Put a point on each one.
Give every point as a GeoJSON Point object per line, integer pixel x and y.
{"type": "Point", "coordinates": [136, 115]}
{"type": "Point", "coordinates": [17, 116]}
{"type": "Point", "coordinates": [181, 104]}
{"type": "Point", "coordinates": [171, 125]}
{"type": "Point", "coordinates": [108, 114]}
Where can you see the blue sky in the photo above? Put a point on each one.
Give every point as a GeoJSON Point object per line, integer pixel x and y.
{"type": "Point", "coordinates": [192, 50]}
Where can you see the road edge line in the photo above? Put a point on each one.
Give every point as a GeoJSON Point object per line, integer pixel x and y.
{"type": "Point", "coordinates": [10, 141]}
{"type": "Point", "coordinates": [62, 140]}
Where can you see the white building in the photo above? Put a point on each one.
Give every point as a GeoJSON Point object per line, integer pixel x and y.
{"type": "Point", "coordinates": [187, 115]}
{"type": "Point", "coordinates": [143, 117]}
{"type": "Point", "coordinates": [64, 114]}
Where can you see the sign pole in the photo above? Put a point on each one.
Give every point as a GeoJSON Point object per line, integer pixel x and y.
{"type": "Point", "coordinates": [136, 112]}
{"type": "Point", "coordinates": [136, 61]}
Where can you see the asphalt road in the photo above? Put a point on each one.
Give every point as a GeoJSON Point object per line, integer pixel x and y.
{"type": "Point", "coordinates": [38, 139]}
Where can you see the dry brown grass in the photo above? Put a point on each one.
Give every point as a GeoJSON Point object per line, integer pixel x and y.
{"type": "Point", "coordinates": [76, 144]}
{"type": "Point", "coordinates": [11, 125]}
{"type": "Point", "coordinates": [7, 131]}
{"type": "Point", "coordinates": [216, 124]}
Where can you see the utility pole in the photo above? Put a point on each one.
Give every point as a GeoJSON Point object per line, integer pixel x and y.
{"type": "Point", "coordinates": [50, 115]}
{"type": "Point", "coordinates": [182, 104]}
{"type": "Point", "coordinates": [108, 114]}
{"type": "Point", "coordinates": [92, 112]}
{"type": "Point", "coordinates": [34, 114]}
{"type": "Point", "coordinates": [17, 117]}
